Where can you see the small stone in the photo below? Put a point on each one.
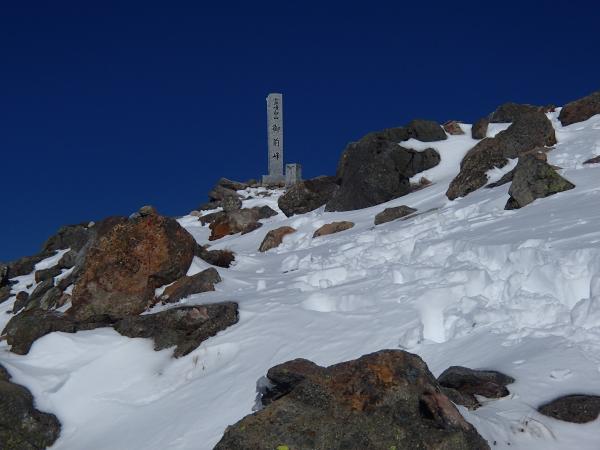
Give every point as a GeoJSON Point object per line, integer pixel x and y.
{"type": "Point", "coordinates": [147, 210]}
{"type": "Point", "coordinates": [452, 127]}
{"type": "Point", "coordinates": [389, 214]}
{"type": "Point", "coordinates": [333, 227]}
{"type": "Point", "coordinates": [577, 408]}
{"type": "Point", "coordinates": [274, 238]}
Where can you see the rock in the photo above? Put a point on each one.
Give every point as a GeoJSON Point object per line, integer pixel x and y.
{"type": "Point", "coordinates": [453, 127]}
{"type": "Point", "coordinates": [231, 203]}
{"type": "Point", "coordinates": [274, 238]}
{"type": "Point", "coordinates": [580, 110]}
{"type": "Point", "coordinates": [3, 274]}
{"type": "Point", "coordinates": [184, 327]}
{"type": "Point", "coordinates": [534, 178]}
{"type": "Point", "coordinates": [470, 382]}
{"type": "Point", "coordinates": [74, 237]}
{"type": "Point", "coordinates": [5, 293]}
{"type": "Point", "coordinates": [25, 328]}
{"type": "Point", "coordinates": [147, 210]}
{"type": "Point", "coordinates": [389, 214]}
{"type": "Point", "coordinates": [426, 131]}
{"type": "Point", "coordinates": [68, 260]}
{"type": "Point", "coordinates": [125, 267]}
{"type": "Point", "coordinates": [233, 185]}
{"type": "Point", "coordinates": [22, 427]}
{"type": "Point", "coordinates": [210, 218]}
{"type": "Point", "coordinates": [219, 258]}
{"type": "Point", "coordinates": [46, 274]}
{"type": "Point", "coordinates": [238, 221]}
{"type": "Point", "coordinates": [26, 265]}
{"type": "Point", "coordinates": [35, 297]}
{"type": "Point", "coordinates": [384, 400]}
{"type": "Point", "coordinates": [578, 408]}
{"type": "Point", "coordinates": [510, 112]}
{"type": "Point", "coordinates": [209, 205]}
{"type": "Point", "coordinates": [21, 300]}
{"type": "Point", "coordinates": [506, 178]}
{"type": "Point", "coordinates": [594, 160]}
{"type": "Point", "coordinates": [375, 170]}
{"type": "Point", "coordinates": [333, 227]}
{"type": "Point", "coordinates": [188, 285]}
{"type": "Point", "coordinates": [479, 128]}
{"type": "Point", "coordinates": [528, 132]}
{"type": "Point", "coordinates": [307, 195]}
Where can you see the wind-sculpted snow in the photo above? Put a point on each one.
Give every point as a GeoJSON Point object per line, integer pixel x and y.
{"type": "Point", "coordinates": [459, 283]}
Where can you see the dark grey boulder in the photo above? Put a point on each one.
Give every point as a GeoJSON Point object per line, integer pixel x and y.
{"type": "Point", "coordinates": [26, 264]}
{"type": "Point", "coordinates": [384, 400]}
{"type": "Point", "coordinates": [479, 128]}
{"type": "Point", "coordinates": [231, 203]}
{"type": "Point", "coordinates": [74, 237]}
{"type": "Point", "coordinates": [375, 170]}
{"type": "Point", "coordinates": [528, 132]}
{"type": "Point", "coordinates": [22, 427]}
{"type": "Point", "coordinates": [5, 293]}
{"type": "Point", "coordinates": [594, 160]}
{"type": "Point", "coordinates": [389, 214]}
{"type": "Point", "coordinates": [189, 285]}
{"type": "Point", "coordinates": [426, 131]}
{"type": "Point", "coordinates": [3, 274]}
{"type": "Point", "coordinates": [509, 112]}
{"type": "Point", "coordinates": [470, 382]}
{"type": "Point", "coordinates": [307, 195]}
{"type": "Point", "coordinates": [25, 328]}
{"type": "Point", "coordinates": [580, 110]}
{"type": "Point", "coordinates": [35, 297]}
{"type": "Point", "coordinates": [534, 178]}
{"type": "Point", "coordinates": [577, 408]}
{"type": "Point", "coordinates": [184, 327]}
{"type": "Point", "coordinates": [46, 274]}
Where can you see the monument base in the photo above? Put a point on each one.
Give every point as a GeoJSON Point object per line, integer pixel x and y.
{"type": "Point", "coordinates": [273, 180]}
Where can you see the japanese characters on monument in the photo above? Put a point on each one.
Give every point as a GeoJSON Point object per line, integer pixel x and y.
{"type": "Point", "coordinates": [275, 133]}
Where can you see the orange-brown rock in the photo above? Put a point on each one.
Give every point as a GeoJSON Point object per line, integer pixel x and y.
{"type": "Point", "coordinates": [123, 268]}
{"type": "Point", "coordinates": [453, 127]}
{"type": "Point", "coordinates": [274, 238]}
{"type": "Point", "coordinates": [333, 227]}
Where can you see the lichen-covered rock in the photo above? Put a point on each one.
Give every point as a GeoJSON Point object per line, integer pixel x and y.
{"type": "Point", "coordinates": [383, 400]}
{"type": "Point", "coordinates": [185, 327]}
{"type": "Point", "coordinates": [389, 214]}
{"type": "Point", "coordinates": [509, 112]}
{"type": "Point", "coordinates": [333, 227]}
{"type": "Point", "coordinates": [534, 178]}
{"type": "Point", "coordinates": [580, 110]}
{"type": "Point", "coordinates": [307, 195]}
{"type": "Point", "coordinates": [22, 427]}
{"type": "Point", "coordinates": [188, 285]}
{"type": "Point", "coordinates": [274, 238]}
{"type": "Point", "coordinates": [231, 203]}
{"type": "Point", "coordinates": [526, 133]}
{"type": "Point", "coordinates": [576, 408]}
{"type": "Point", "coordinates": [125, 267]}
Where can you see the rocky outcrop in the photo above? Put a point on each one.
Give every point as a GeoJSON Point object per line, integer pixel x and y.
{"type": "Point", "coordinates": [274, 238]}
{"type": "Point", "coordinates": [125, 267]}
{"type": "Point", "coordinates": [452, 127]}
{"type": "Point", "coordinates": [333, 227]}
{"type": "Point", "coordinates": [426, 131]}
{"type": "Point", "coordinates": [189, 285]}
{"type": "Point", "coordinates": [479, 128]}
{"type": "Point", "coordinates": [376, 169]}
{"type": "Point", "coordinates": [525, 134]}
{"type": "Point", "coordinates": [510, 112]}
{"type": "Point", "coordinates": [534, 178]}
{"type": "Point", "coordinates": [238, 221]}
{"type": "Point", "coordinates": [185, 327]}
{"type": "Point", "coordinates": [389, 214]}
{"type": "Point", "coordinates": [307, 195]}
{"type": "Point", "coordinates": [384, 400]}
{"type": "Point", "coordinates": [580, 110]}
{"type": "Point", "coordinates": [577, 408]}
{"type": "Point", "coordinates": [22, 427]}
{"type": "Point", "coordinates": [462, 384]}
{"type": "Point", "coordinates": [223, 189]}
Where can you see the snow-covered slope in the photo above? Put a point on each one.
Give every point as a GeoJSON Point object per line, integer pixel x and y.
{"type": "Point", "coordinates": [460, 283]}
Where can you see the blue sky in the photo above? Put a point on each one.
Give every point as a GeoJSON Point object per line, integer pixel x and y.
{"type": "Point", "coordinates": [107, 106]}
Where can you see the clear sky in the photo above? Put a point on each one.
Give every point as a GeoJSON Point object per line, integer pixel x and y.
{"type": "Point", "coordinates": [107, 106]}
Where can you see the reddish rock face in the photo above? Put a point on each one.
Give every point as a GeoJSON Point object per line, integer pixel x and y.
{"type": "Point", "coordinates": [125, 267]}
{"type": "Point", "coordinates": [580, 110]}
{"type": "Point", "coordinates": [274, 238]}
{"type": "Point", "coordinates": [333, 227]}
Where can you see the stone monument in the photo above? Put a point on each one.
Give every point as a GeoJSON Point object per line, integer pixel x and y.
{"type": "Point", "coordinates": [275, 136]}
{"type": "Point", "coordinates": [293, 174]}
